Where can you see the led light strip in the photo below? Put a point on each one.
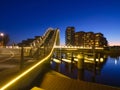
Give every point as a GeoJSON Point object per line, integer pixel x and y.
{"type": "Point", "coordinates": [30, 69]}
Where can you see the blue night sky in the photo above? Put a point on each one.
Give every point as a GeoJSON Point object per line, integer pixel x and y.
{"type": "Point", "coordinates": [23, 19]}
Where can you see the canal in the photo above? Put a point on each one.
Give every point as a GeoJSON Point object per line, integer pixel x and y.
{"type": "Point", "coordinates": [107, 72]}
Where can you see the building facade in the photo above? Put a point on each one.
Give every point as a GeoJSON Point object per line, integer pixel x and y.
{"type": "Point", "coordinates": [85, 39]}
{"type": "Point", "coordinates": [79, 38]}
{"type": "Point", "coordinates": [69, 36]}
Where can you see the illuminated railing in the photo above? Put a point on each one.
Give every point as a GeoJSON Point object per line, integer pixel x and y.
{"type": "Point", "coordinates": [33, 68]}
{"type": "Point", "coordinates": [45, 35]}
{"type": "Point", "coordinates": [76, 47]}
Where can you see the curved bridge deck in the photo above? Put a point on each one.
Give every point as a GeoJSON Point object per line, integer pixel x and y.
{"type": "Point", "coordinates": [56, 81]}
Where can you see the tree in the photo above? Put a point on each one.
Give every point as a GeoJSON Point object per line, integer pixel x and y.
{"type": "Point", "coordinates": [4, 39]}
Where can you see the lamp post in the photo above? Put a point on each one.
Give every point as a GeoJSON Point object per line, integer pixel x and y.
{"type": "Point", "coordinates": [2, 35]}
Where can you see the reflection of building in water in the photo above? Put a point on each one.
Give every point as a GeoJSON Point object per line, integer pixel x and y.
{"type": "Point", "coordinates": [117, 58]}
{"type": "Point", "coordinates": [69, 65]}
{"type": "Point", "coordinates": [94, 67]}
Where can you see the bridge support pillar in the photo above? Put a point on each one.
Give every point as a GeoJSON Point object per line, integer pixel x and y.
{"type": "Point", "coordinates": [80, 61]}
{"type": "Point", "coordinates": [81, 74]}
{"type": "Point", "coordinates": [99, 58]}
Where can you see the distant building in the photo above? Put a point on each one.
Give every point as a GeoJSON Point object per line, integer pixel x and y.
{"type": "Point", "coordinates": [69, 36]}
{"type": "Point", "coordinates": [100, 40]}
{"type": "Point", "coordinates": [79, 38]}
{"type": "Point", "coordinates": [85, 39]}
{"type": "Point", "coordinates": [31, 42]}
{"type": "Point", "coordinates": [89, 38]}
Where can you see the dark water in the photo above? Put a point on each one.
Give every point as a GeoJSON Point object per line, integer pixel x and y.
{"type": "Point", "coordinates": [107, 73]}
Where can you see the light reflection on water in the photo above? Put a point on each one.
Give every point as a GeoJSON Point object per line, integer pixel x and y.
{"type": "Point", "coordinates": [108, 73]}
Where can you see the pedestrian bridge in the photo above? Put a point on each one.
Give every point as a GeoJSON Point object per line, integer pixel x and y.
{"type": "Point", "coordinates": [76, 47]}
{"type": "Point", "coordinates": [24, 78]}
{"type": "Point", "coordinates": [27, 77]}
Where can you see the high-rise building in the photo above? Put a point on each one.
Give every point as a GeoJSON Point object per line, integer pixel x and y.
{"type": "Point", "coordinates": [69, 36]}
{"type": "Point", "coordinates": [91, 39]}
{"type": "Point", "coordinates": [84, 39]}
{"type": "Point", "coordinates": [79, 38]}
{"type": "Point", "coordinates": [100, 40]}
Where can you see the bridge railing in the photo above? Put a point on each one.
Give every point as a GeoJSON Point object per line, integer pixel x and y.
{"type": "Point", "coordinates": [46, 35]}
{"type": "Point", "coordinates": [24, 79]}
{"type": "Point", "coordinates": [45, 48]}
{"type": "Point", "coordinates": [76, 47]}
{"type": "Point", "coordinates": [35, 49]}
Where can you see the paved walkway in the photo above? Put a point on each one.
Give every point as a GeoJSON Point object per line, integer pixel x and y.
{"type": "Point", "coordinates": [56, 81]}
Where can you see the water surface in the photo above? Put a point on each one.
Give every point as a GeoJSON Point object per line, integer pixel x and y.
{"type": "Point", "coordinates": [107, 73]}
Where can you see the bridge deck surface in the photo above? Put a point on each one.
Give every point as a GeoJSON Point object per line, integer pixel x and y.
{"type": "Point", "coordinates": [56, 81]}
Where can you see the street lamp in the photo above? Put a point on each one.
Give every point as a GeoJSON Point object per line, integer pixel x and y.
{"type": "Point", "coordinates": [2, 35]}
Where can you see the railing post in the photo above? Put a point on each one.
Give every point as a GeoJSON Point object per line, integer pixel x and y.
{"type": "Point", "coordinates": [22, 57]}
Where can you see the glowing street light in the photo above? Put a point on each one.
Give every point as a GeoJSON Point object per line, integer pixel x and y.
{"type": "Point", "coordinates": [2, 35]}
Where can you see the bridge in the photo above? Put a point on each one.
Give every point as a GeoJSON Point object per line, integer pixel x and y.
{"type": "Point", "coordinates": [42, 52]}
{"type": "Point", "coordinates": [76, 47]}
